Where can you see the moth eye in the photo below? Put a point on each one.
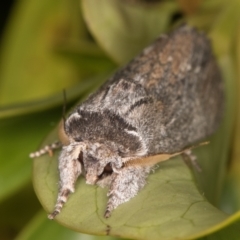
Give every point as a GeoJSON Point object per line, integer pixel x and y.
{"type": "Point", "coordinates": [108, 169]}
{"type": "Point", "coordinates": [78, 139]}
{"type": "Point", "coordinates": [80, 158]}
{"type": "Point", "coordinates": [64, 139]}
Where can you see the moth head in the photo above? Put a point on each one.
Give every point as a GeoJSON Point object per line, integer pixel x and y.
{"type": "Point", "coordinates": [96, 159]}
{"type": "Point", "coordinates": [107, 138]}
{"type": "Point", "coordinates": [99, 161]}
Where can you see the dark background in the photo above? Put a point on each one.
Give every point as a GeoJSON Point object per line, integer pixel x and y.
{"type": "Point", "coordinates": [5, 8]}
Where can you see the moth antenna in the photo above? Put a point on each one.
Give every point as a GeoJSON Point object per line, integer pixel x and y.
{"type": "Point", "coordinates": [64, 105]}
{"type": "Point", "coordinates": [46, 149]}
{"type": "Point", "coordinates": [63, 137]}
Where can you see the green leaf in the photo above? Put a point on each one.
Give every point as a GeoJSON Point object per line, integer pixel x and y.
{"type": "Point", "coordinates": [87, 57]}
{"type": "Point", "coordinates": [28, 59]}
{"type": "Point", "coordinates": [221, 30]}
{"type": "Point", "coordinates": [228, 230]}
{"type": "Point", "coordinates": [122, 29]}
{"type": "Point", "coordinates": [72, 93]}
{"type": "Point", "coordinates": [14, 213]}
{"type": "Point", "coordinates": [41, 228]}
{"type": "Point", "coordinates": [20, 134]}
{"type": "Point", "coordinates": [169, 206]}
{"type": "Point", "coordinates": [214, 157]}
{"type": "Point", "coordinates": [231, 195]}
{"type": "Point", "coordinates": [207, 13]}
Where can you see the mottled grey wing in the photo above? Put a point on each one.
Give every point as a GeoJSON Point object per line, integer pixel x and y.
{"type": "Point", "coordinates": [172, 93]}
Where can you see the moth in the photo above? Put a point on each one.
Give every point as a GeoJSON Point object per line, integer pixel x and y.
{"type": "Point", "coordinates": [169, 97]}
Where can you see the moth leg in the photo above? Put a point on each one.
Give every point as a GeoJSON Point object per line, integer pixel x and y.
{"type": "Point", "coordinates": [46, 149]}
{"type": "Point", "coordinates": [126, 183]}
{"type": "Point", "coordinates": [69, 168]}
{"type": "Point", "coordinates": [105, 182]}
{"type": "Point", "coordinates": [188, 156]}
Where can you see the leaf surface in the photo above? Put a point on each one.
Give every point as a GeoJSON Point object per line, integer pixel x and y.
{"type": "Point", "coordinates": [29, 57]}
{"type": "Point", "coordinates": [41, 228]}
{"type": "Point", "coordinates": [169, 206]}
{"type": "Point", "coordinates": [123, 29]}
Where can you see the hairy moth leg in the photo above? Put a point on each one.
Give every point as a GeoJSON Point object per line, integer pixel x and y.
{"type": "Point", "coordinates": [126, 183]}
{"type": "Point", "coordinates": [69, 168]}
{"type": "Point", "coordinates": [188, 156]}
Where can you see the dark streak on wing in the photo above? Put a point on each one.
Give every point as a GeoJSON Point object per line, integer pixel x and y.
{"type": "Point", "coordinates": [140, 102]}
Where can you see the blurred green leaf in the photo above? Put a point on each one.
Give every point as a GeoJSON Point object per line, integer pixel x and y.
{"type": "Point", "coordinates": [213, 158]}
{"type": "Point", "coordinates": [221, 31]}
{"type": "Point", "coordinates": [28, 59]}
{"type": "Point", "coordinates": [231, 195]}
{"type": "Point", "coordinates": [88, 57]}
{"type": "Point", "coordinates": [189, 7]}
{"type": "Point", "coordinates": [72, 93]}
{"type": "Point", "coordinates": [207, 13]}
{"type": "Point", "coordinates": [122, 29]}
{"type": "Point", "coordinates": [19, 136]}
{"type": "Point", "coordinates": [13, 211]}
{"type": "Point", "coordinates": [229, 230]}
